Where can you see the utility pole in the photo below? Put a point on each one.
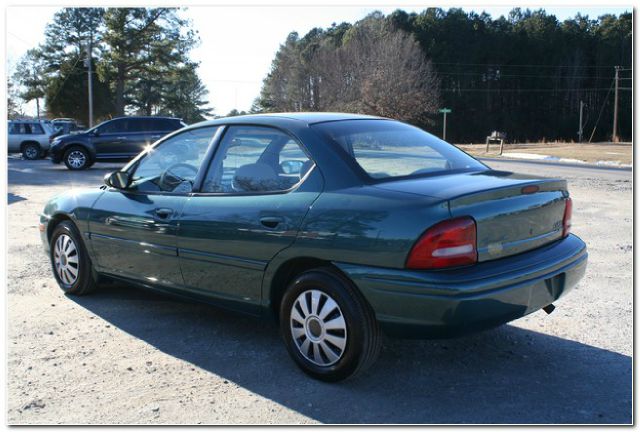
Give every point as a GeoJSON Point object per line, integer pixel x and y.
{"type": "Point", "coordinates": [614, 135]}
{"type": "Point", "coordinates": [444, 111]}
{"type": "Point", "coordinates": [580, 125]}
{"type": "Point", "coordinates": [90, 81]}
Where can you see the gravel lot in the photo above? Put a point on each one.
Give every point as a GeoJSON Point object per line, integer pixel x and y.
{"type": "Point", "coordinates": [128, 356]}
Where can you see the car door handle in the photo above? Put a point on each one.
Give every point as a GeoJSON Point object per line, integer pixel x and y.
{"type": "Point", "coordinates": [271, 221]}
{"type": "Point", "coordinates": [121, 138]}
{"type": "Point", "coordinates": [163, 213]}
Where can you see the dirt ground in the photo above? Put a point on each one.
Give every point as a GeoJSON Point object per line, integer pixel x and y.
{"type": "Point", "coordinates": [128, 356]}
{"type": "Point", "coordinates": [589, 153]}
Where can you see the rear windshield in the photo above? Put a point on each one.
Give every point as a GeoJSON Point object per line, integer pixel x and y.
{"type": "Point", "coordinates": [389, 149]}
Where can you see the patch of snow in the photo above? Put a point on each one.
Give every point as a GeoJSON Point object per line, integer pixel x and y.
{"type": "Point", "coordinates": [543, 157]}
{"type": "Point", "coordinates": [530, 156]}
{"type": "Point", "coordinates": [613, 163]}
{"type": "Point", "coordinates": [573, 161]}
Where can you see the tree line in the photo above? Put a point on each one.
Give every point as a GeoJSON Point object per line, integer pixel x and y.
{"type": "Point", "coordinates": [524, 74]}
{"type": "Point", "coordinates": [139, 56]}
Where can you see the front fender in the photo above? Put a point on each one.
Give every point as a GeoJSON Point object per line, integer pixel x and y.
{"type": "Point", "coordinates": [74, 205]}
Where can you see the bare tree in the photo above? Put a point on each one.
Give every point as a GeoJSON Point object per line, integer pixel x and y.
{"type": "Point", "coordinates": [400, 82]}
{"type": "Point", "coordinates": [380, 71]}
{"type": "Point", "coordinates": [373, 69]}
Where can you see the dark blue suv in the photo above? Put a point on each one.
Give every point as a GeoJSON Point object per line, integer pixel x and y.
{"type": "Point", "coordinates": [116, 140]}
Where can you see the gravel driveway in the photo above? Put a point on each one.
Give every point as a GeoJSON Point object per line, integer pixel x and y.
{"type": "Point", "coordinates": [128, 356]}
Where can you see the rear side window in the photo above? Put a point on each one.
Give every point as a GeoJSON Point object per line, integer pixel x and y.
{"type": "Point", "coordinates": [255, 159]}
{"type": "Point", "coordinates": [160, 125]}
{"type": "Point", "coordinates": [388, 149]}
{"type": "Point", "coordinates": [138, 125]}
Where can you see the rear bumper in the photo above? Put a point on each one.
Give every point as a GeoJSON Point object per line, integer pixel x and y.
{"type": "Point", "coordinates": [447, 303]}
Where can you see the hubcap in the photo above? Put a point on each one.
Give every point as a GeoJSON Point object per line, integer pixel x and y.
{"type": "Point", "coordinates": [65, 258]}
{"type": "Point", "coordinates": [318, 328]}
{"type": "Point", "coordinates": [76, 159]}
{"type": "Point", "coordinates": [31, 152]}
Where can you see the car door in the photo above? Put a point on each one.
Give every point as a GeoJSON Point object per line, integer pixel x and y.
{"type": "Point", "coordinates": [38, 134]}
{"type": "Point", "coordinates": [15, 136]}
{"type": "Point", "coordinates": [133, 231]}
{"type": "Point", "coordinates": [157, 128]}
{"type": "Point", "coordinates": [246, 210]}
{"type": "Point", "coordinates": [140, 135]}
{"type": "Point", "coordinates": [109, 141]}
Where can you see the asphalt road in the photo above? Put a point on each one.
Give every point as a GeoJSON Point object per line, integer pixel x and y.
{"type": "Point", "coordinates": [128, 356]}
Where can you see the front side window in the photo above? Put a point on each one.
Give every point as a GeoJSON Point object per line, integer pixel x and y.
{"type": "Point", "coordinates": [113, 126]}
{"type": "Point", "coordinates": [36, 129]}
{"type": "Point", "coordinates": [172, 165]}
{"type": "Point", "coordinates": [387, 149]}
{"type": "Point", "coordinates": [254, 159]}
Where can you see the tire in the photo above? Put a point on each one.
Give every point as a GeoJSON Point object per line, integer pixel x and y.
{"type": "Point", "coordinates": [76, 158]}
{"type": "Point", "coordinates": [68, 254]}
{"type": "Point", "coordinates": [31, 151]}
{"type": "Point", "coordinates": [333, 341]}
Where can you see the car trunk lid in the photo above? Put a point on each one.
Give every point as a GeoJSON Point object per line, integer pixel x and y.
{"type": "Point", "coordinates": [513, 213]}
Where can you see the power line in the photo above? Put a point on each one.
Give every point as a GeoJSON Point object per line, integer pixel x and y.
{"type": "Point", "coordinates": [526, 90]}
{"type": "Point", "coordinates": [601, 110]}
{"type": "Point", "coordinates": [523, 65]}
{"type": "Point", "coordinates": [65, 80]}
{"type": "Point", "coordinates": [501, 75]}
{"type": "Point", "coordinates": [20, 39]}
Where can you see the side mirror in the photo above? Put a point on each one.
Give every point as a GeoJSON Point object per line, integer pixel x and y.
{"type": "Point", "coordinates": [117, 179]}
{"type": "Point", "coordinates": [96, 132]}
{"type": "Point", "coordinates": [291, 166]}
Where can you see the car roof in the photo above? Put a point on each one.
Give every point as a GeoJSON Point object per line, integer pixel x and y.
{"type": "Point", "coordinates": [146, 117]}
{"type": "Point", "coordinates": [28, 121]}
{"type": "Point", "coordinates": [303, 117]}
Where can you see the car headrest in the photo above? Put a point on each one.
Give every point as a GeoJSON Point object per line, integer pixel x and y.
{"type": "Point", "coordinates": [255, 177]}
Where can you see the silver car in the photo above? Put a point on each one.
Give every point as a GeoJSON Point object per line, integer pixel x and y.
{"type": "Point", "coordinates": [29, 137]}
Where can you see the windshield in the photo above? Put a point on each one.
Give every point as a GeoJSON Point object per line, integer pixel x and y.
{"type": "Point", "coordinates": [388, 149]}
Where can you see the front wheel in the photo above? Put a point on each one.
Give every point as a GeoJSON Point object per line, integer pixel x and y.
{"type": "Point", "coordinates": [76, 158]}
{"type": "Point", "coordinates": [328, 327]}
{"type": "Point", "coordinates": [71, 265]}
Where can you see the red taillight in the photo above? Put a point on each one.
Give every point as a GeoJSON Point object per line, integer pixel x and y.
{"type": "Point", "coordinates": [566, 220]}
{"type": "Point", "coordinates": [446, 244]}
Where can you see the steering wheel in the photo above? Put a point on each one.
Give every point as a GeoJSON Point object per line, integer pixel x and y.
{"type": "Point", "coordinates": [169, 180]}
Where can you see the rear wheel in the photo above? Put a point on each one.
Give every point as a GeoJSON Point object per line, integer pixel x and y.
{"type": "Point", "coordinates": [31, 151]}
{"type": "Point", "coordinates": [76, 158]}
{"type": "Point", "coordinates": [330, 331]}
{"type": "Point", "coordinates": [71, 265]}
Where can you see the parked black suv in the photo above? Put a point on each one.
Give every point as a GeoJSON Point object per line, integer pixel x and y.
{"type": "Point", "coordinates": [116, 140]}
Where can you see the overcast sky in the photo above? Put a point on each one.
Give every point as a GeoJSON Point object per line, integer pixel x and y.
{"type": "Point", "coordinates": [238, 43]}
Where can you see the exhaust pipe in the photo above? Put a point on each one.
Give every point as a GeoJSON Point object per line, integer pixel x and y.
{"type": "Point", "coordinates": [549, 308]}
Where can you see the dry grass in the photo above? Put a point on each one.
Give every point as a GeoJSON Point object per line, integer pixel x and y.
{"type": "Point", "coordinates": [591, 153]}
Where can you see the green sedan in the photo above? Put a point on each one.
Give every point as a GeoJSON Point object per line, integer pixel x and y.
{"type": "Point", "coordinates": [338, 226]}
